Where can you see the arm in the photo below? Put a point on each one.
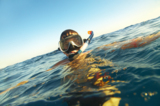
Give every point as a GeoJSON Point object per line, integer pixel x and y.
{"type": "Point", "coordinates": [137, 42]}
{"type": "Point", "coordinates": [65, 61]}
{"type": "Point", "coordinates": [141, 41]}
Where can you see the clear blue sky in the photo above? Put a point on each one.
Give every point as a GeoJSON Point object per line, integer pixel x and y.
{"type": "Point", "coordinates": [29, 28]}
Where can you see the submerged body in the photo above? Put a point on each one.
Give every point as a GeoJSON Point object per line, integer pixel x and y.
{"type": "Point", "coordinates": [86, 72]}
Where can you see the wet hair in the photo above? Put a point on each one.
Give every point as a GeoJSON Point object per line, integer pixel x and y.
{"type": "Point", "coordinates": [67, 33]}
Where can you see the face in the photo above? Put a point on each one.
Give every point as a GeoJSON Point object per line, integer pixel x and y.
{"type": "Point", "coordinates": [74, 42]}
{"type": "Point", "coordinates": [72, 52]}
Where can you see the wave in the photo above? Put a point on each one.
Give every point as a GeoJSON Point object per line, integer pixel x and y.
{"type": "Point", "coordinates": [113, 71]}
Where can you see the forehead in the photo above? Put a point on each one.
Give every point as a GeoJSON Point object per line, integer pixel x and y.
{"type": "Point", "coordinates": [68, 34]}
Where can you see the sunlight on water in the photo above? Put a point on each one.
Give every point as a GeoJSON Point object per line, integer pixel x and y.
{"type": "Point", "coordinates": [121, 70]}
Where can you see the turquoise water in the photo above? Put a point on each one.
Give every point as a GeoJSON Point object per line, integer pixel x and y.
{"type": "Point", "coordinates": [129, 77]}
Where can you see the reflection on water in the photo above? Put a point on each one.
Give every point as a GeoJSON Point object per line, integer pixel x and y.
{"type": "Point", "coordinates": [125, 73]}
{"type": "Point", "coordinates": [19, 84]}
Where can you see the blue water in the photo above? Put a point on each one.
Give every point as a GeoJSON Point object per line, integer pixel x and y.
{"type": "Point", "coordinates": [129, 77]}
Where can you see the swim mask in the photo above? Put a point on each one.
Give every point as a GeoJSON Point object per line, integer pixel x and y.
{"type": "Point", "coordinates": [70, 40]}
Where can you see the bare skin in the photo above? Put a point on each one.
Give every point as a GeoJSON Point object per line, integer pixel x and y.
{"type": "Point", "coordinates": [134, 43]}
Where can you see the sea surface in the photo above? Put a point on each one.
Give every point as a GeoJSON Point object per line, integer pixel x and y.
{"type": "Point", "coordinates": [104, 77]}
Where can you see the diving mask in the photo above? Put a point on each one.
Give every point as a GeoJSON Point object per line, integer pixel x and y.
{"type": "Point", "coordinates": [70, 43]}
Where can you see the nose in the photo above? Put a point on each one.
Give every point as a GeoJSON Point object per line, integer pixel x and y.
{"type": "Point", "coordinates": [72, 46]}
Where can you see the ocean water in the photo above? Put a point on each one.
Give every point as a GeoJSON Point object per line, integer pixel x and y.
{"type": "Point", "coordinates": [107, 76]}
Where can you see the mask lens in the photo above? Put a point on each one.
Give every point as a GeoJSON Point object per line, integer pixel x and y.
{"type": "Point", "coordinates": [65, 43]}
{"type": "Point", "coordinates": [78, 41]}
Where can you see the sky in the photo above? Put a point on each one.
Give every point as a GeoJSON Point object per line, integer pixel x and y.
{"type": "Point", "coordinates": [29, 28]}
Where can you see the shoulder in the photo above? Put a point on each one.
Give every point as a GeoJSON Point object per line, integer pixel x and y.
{"type": "Point", "coordinates": [62, 62]}
{"type": "Point", "coordinates": [65, 61]}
